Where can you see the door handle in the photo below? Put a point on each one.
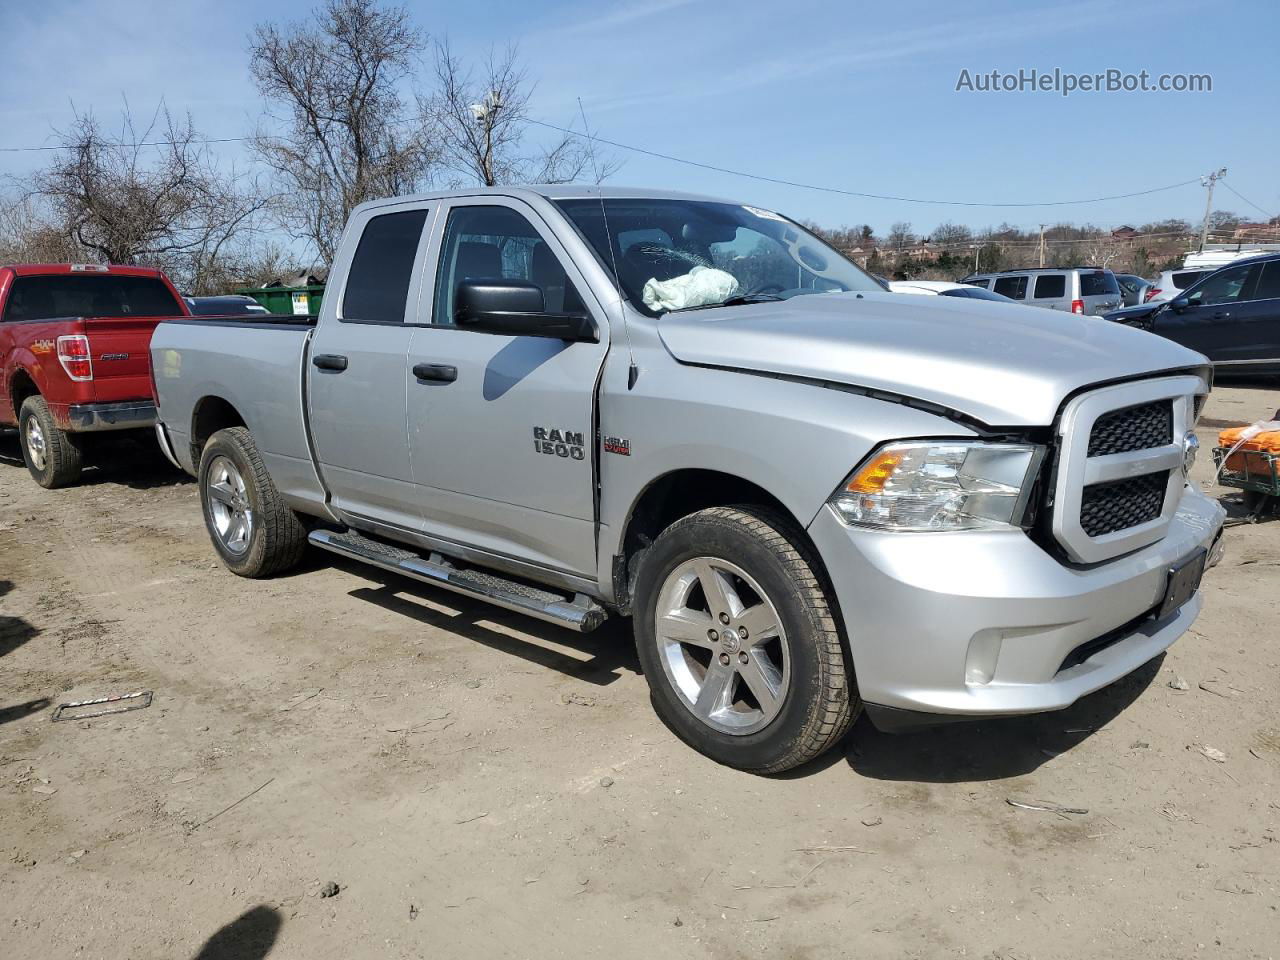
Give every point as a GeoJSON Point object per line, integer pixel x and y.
{"type": "Point", "coordinates": [329, 361]}
{"type": "Point", "coordinates": [1222, 315]}
{"type": "Point", "coordinates": [435, 372]}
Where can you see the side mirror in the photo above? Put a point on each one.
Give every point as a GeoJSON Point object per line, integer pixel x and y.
{"type": "Point", "coordinates": [1178, 304]}
{"type": "Point", "coordinates": [515, 308]}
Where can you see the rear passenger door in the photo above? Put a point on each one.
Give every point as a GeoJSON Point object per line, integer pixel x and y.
{"type": "Point", "coordinates": [1050, 290]}
{"type": "Point", "coordinates": [504, 445]}
{"type": "Point", "coordinates": [358, 380]}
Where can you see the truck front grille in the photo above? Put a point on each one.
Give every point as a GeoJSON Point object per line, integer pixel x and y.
{"type": "Point", "coordinates": [1118, 475]}
{"type": "Point", "coordinates": [1121, 504]}
{"type": "Point", "coordinates": [1142, 427]}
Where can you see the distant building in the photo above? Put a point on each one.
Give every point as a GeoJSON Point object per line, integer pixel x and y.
{"type": "Point", "coordinates": [1256, 231]}
{"type": "Point", "coordinates": [1123, 233]}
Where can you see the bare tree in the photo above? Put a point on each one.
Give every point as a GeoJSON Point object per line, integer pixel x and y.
{"type": "Point", "coordinates": [347, 135]}
{"type": "Point", "coordinates": [951, 234]}
{"type": "Point", "coordinates": [152, 195]}
{"type": "Point", "coordinates": [482, 123]}
{"type": "Point", "coordinates": [1101, 250]}
{"type": "Point", "coordinates": [900, 236]}
{"type": "Point", "coordinates": [28, 235]}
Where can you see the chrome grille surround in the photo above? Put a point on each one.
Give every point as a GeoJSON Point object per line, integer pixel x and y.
{"type": "Point", "coordinates": [1077, 470]}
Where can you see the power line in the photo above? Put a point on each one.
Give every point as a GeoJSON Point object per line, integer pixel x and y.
{"type": "Point", "coordinates": [854, 193]}
{"type": "Point", "coordinates": [726, 170]}
{"type": "Point", "coordinates": [121, 143]}
{"type": "Point", "coordinates": [1269, 216]}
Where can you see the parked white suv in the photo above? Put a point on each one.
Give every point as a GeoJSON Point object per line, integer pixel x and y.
{"type": "Point", "coordinates": [1170, 283]}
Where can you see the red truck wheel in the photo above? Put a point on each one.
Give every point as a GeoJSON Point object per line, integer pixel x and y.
{"type": "Point", "coordinates": [52, 455]}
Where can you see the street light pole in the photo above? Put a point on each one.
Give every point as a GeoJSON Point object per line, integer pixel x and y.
{"type": "Point", "coordinates": [1042, 226]}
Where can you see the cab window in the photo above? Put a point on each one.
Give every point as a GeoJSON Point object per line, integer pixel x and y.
{"type": "Point", "coordinates": [497, 243]}
{"type": "Point", "coordinates": [378, 281]}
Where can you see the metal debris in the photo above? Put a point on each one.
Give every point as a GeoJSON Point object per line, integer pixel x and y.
{"type": "Point", "coordinates": [126, 701]}
{"type": "Point", "coordinates": [1045, 807]}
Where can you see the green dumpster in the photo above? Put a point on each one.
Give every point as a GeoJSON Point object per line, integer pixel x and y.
{"type": "Point", "coordinates": [288, 300]}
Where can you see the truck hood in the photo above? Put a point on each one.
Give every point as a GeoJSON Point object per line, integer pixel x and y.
{"type": "Point", "coordinates": [1001, 364]}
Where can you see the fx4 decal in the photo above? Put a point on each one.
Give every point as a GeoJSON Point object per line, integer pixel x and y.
{"type": "Point", "coordinates": [559, 443]}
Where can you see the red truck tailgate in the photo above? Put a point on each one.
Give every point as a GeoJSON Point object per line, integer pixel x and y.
{"type": "Point", "coordinates": [120, 349]}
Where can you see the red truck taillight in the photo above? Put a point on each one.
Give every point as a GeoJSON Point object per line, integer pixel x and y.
{"type": "Point", "coordinates": [1151, 292]}
{"type": "Point", "coordinates": [73, 354]}
{"type": "Point", "coordinates": [1077, 306]}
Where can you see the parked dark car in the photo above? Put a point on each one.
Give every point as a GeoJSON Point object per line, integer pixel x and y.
{"type": "Point", "coordinates": [1232, 316]}
{"type": "Point", "coordinates": [224, 306]}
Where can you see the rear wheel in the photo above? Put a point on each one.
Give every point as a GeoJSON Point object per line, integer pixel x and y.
{"type": "Point", "coordinates": [52, 455]}
{"type": "Point", "coordinates": [738, 643]}
{"type": "Point", "coordinates": [254, 531]}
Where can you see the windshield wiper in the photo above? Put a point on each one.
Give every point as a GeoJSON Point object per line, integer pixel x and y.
{"type": "Point", "coordinates": [735, 301]}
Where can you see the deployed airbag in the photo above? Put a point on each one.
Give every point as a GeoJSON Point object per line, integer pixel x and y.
{"type": "Point", "coordinates": [699, 287]}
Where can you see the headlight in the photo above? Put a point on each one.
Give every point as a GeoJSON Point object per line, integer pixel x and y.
{"type": "Point", "coordinates": [940, 485]}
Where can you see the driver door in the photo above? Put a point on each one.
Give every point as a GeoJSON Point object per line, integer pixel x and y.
{"type": "Point", "coordinates": [501, 428]}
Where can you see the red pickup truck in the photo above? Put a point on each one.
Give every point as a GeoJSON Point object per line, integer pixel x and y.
{"type": "Point", "coordinates": [74, 357]}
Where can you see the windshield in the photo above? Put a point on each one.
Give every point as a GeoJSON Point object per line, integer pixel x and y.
{"type": "Point", "coordinates": [679, 254]}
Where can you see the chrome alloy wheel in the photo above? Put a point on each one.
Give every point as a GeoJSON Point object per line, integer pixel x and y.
{"type": "Point", "coordinates": [229, 505]}
{"type": "Point", "coordinates": [722, 645]}
{"type": "Point", "coordinates": [37, 446]}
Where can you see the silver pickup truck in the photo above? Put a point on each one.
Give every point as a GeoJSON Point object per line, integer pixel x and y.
{"type": "Point", "coordinates": [811, 496]}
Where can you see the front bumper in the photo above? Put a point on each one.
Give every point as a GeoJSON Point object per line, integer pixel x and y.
{"type": "Point", "coordinates": [95, 417]}
{"type": "Point", "coordinates": [976, 624]}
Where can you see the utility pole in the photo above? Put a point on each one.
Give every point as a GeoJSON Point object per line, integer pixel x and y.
{"type": "Point", "coordinates": [1042, 226]}
{"type": "Point", "coordinates": [1209, 181]}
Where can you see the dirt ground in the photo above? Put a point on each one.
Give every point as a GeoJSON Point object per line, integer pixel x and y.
{"type": "Point", "coordinates": [480, 785]}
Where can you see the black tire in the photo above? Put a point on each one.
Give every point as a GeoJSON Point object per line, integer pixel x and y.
{"type": "Point", "coordinates": [276, 539]}
{"type": "Point", "coordinates": [61, 461]}
{"type": "Point", "coordinates": [819, 702]}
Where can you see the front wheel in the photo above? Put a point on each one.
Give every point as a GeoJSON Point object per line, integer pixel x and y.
{"type": "Point", "coordinates": [254, 531]}
{"type": "Point", "coordinates": [738, 642]}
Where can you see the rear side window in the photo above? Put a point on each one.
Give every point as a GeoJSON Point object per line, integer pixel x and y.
{"type": "Point", "coordinates": [1015, 288]}
{"type": "Point", "coordinates": [378, 281]}
{"type": "Point", "coordinates": [1269, 282]}
{"type": "Point", "coordinates": [983, 282]}
{"type": "Point", "coordinates": [1051, 285]}
{"type": "Point", "coordinates": [1098, 283]}
{"type": "Point", "coordinates": [72, 295]}
{"type": "Point", "coordinates": [1184, 280]}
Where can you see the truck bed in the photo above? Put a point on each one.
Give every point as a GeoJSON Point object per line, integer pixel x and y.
{"type": "Point", "coordinates": [256, 365]}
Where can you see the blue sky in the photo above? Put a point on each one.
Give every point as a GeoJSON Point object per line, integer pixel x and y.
{"type": "Point", "coordinates": [859, 96]}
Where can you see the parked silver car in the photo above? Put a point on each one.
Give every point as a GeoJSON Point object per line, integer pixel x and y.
{"type": "Point", "coordinates": [810, 495]}
{"type": "Point", "coordinates": [1088, 291]}
{"type": "Point", "coordinates": [1133, 288]}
